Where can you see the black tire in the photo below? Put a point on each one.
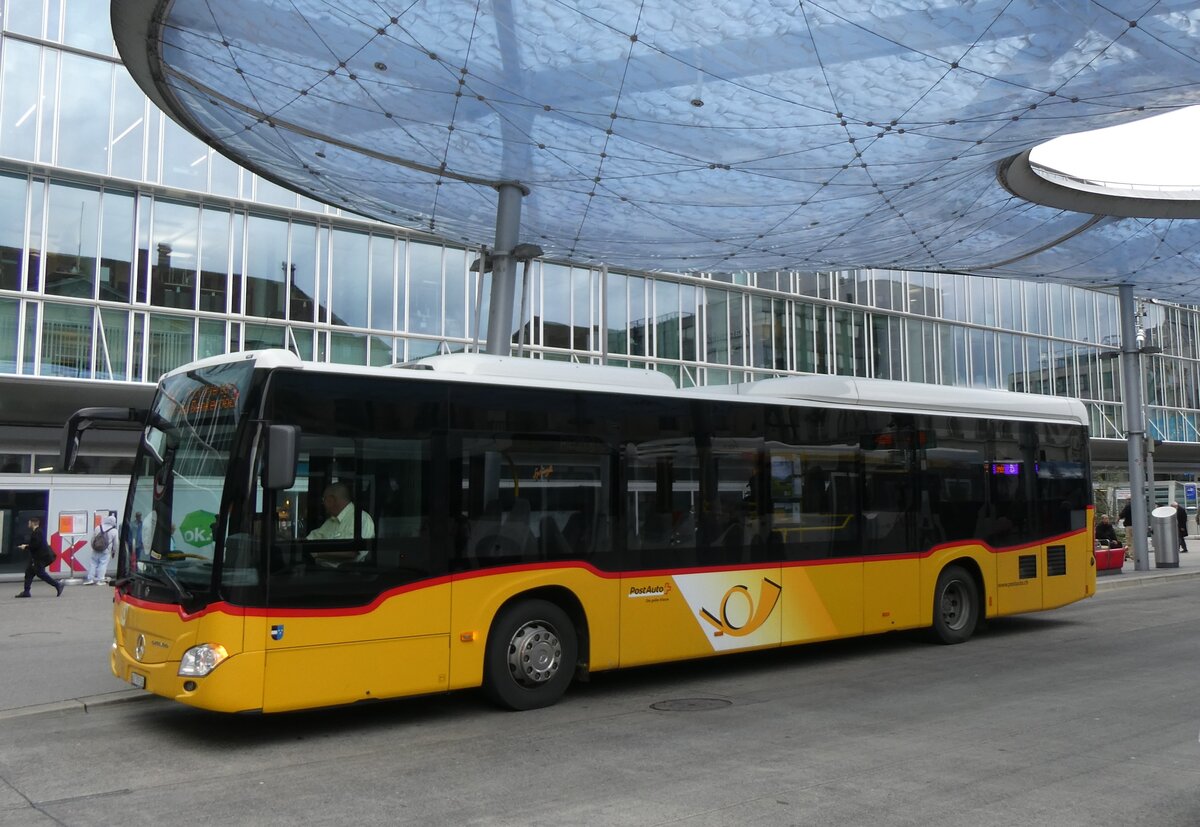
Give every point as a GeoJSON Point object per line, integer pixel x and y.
{"type": "Point", "coordinates": [955, 606]}
{"type": "Point", "coordinates": [531, 654]}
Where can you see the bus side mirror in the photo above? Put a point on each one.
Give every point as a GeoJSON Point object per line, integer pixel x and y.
{"type": "Point", "coordinates": [279, 467]}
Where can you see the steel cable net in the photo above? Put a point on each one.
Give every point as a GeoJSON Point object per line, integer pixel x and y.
{"type": "Point", "coordinates": [698, 137]}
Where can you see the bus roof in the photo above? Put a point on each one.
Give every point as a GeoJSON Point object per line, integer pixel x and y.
{"type": "Point", "coordinates": [878, 394]}
{"type": "Point", "coordinates": [914, 397]}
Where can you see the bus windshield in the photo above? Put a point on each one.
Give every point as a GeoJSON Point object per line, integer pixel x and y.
{"type": "Point", "coordinates": [176, 493]}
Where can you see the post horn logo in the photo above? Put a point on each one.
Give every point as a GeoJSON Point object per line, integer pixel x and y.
{"type": "Point", "coordinates": [759, 611]}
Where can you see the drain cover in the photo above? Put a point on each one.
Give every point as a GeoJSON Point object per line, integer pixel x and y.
{"type": "Point", "coordinates": [690, 704]}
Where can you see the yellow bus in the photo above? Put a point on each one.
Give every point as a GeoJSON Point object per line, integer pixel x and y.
{"type": "Point", "coordinates": [302, 535]}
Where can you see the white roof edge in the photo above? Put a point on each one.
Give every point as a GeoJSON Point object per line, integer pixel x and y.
{"type": "Point", "coordinates": [272, 358]}
{"type": "Point", "coordinates": [484, 365]}
{"type": "Point", "coordinates": [843, 391]}
{"type": "Point", "coordinates": [912, 396]}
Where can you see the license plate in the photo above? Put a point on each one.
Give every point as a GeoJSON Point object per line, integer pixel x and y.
{"type": "Point", "coordinates": [139, 681]}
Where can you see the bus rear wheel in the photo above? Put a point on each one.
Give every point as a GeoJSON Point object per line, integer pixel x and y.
{"type": "Point", "coordinates": [955, 605]}
{"type": "Point", "coordinates": [531, 653]}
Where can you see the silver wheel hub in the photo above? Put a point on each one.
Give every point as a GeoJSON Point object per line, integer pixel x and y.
{"type": "Point", "coordinates": [954, 606]}
{"type": "Point", "coordinates": [534, 653]}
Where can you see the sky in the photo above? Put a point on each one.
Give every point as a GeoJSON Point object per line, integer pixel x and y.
{"type": "Point", "coordinates": [1157, 151]}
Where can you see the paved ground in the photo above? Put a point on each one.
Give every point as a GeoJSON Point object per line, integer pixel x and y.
{"type": "Point", "coordinates": [77, 627]}
{"type": "Point", "coordinates": [1082, 716]}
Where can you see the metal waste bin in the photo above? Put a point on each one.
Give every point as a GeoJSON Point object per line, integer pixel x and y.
{"type": "Point", "coordinates": [1165, 526]}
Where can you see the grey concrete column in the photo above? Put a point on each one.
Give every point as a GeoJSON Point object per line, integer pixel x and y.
{"type": "Point", "coordinates": [504, 270]}
{"type": "Point", "coordinates": [1135, 427]}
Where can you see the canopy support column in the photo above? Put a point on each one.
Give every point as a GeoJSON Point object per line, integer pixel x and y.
{"type": "Point", "coordinates": [504, 270]}
{"type": "Point", "coordinates": [1135, 427]}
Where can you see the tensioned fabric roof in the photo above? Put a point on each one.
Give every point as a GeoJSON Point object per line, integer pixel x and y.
{"type": "Point", "coordinates": [696, 136]}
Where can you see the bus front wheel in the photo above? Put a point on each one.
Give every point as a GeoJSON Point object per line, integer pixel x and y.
{"type": "Point", "coordinates": [531, 653]}
{"type": "Point", "coordinates": [955, 605]}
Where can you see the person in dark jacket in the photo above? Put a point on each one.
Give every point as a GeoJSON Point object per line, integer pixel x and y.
{"type": "Point", "coordinates": [1106, 533]}
{"type": "Point", "coordinates": [1181, 516]}
{"type": "Point", "coordinates": [40, 556]}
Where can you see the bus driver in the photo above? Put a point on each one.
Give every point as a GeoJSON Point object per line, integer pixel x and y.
{"type": "Point", "coordinates": [340, 522]}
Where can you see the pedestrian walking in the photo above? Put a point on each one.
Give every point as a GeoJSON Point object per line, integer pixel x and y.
{"type": "Point", "coordinates": [40, 556]}
{"type": "Point", "coordinates": [103, 544]}
{"type": "Point", "coordinates": [1181, 517]}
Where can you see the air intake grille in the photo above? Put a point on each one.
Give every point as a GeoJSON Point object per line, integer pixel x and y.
{"type": "Point", "coordinates": [1056, 561]}
{"type": "Point", "coordinates": [1027, 568]}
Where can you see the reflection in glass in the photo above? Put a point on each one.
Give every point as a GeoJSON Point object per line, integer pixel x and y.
{"type": "Point", "coordinates": [303, 285]}
{"type": "Point", "coordinates": [85, 25]}
{"type": "Point", "coordinates": [170, 344]}
{"type": "Point", "coordinates": [381, 350]}
{"type": "Point", "coordinates": [112, 345]}
{"type": "Point", "coordinates": [211, 341]}
{"type": "Point", "coordinates": [425, 289]}
{"type": "Point", "coordinates": [348, 279]}
{"type": "Point", "coordinates": [33, 267]}
{"type": "Point", "coordinates": [12, 230]}
{"type": "Point", "coordinates": [455, 323]}
{"type": "Point", "coordinates": [617, 311]}
{"type": "Point", "coordinates": [266, 265]}
{"type": "Point", "coordinates": [84, 113]}
{"type": "Point", "coordinates": [116, 246]}
{"type": "Point", "coordinates": [263, 336]}
{"type": "Point", "coordinates": [348, 349]}
{"type": "Point", "coordinates": [29, 354]}
{"type": "Point", "coordinates": [175, 255]}
{"type": "Point", "coordinates": [737, 329]}
{"type": "Point", "coordinates": [688, 321]}
{"type": "Point", "coordinates": [236, 285]}
{"type": "Point", "coordinates": [383, 254]}
{"type": "Point", "coordinates": [638, 317]}
{"type": "Point", "coordinates": [185, 159]}
{"type": "Point", "coordinates": [666, 319]}
{"type": "Point", "coordinates": [302, 340]}
{"type": "Point", "coordinates": [9, 334]}
{"type": "Point", "coordinates": [66, 340]}
{"type": "Point", "coordinates": [849, 333]}
{"type": "Point", "coordinates": [129, 125]}
{"type": "Point", "coordinates": [70, 250]}
{"type": "Point", "coordinates": [24, 17]}
{"type": "Point", "coordinates": [214, 259]}
{"type": "Point", "coordinates": [581, 308]}
{"type": "Point", "coordinates": [418, 348]}
{"type": "Point", "coordinates": [49, 107]}
{"type": "Point", "coordinates": [223, 176]}
{"type": "Point", "coordinates": [19, 68]}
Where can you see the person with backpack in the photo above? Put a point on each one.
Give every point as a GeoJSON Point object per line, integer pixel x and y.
{"type": "Point", "coordinates": [40, 556]}
{"type": "Point", "coordinates": [103, 543]}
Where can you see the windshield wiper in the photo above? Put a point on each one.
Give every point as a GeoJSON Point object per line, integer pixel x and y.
{"type": "Point", "coordinates": [167, 579]}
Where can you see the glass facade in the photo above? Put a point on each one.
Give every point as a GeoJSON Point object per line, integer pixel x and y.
{"type": "Point", "coordinates": [128, 247]}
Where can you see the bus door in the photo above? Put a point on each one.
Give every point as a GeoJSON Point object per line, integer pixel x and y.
{"type": "Point", "coordinates": [816, 515]}
{"type": "Point", "coordinates": [358, 603]}
{"type": "Point", "coordinates": [703, 574]}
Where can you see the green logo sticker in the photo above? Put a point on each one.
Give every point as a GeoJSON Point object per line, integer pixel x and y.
{"type": "Point", "coordinates": [196, 528]}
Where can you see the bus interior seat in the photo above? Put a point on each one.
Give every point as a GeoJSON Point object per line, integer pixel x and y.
{"type": "Point", "coordinates": [484, 530]}
{"type": "Point", "coordinates": [515, 530]}
{"type": "Point", "coordinates": [552, 544]}
{"type": "Point", "coordinates": [572, 533]}
{"type": "Point", "coordinates": [657, 529]}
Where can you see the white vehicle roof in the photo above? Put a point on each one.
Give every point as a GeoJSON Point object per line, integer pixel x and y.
{"type": "Point", "coordinates": [824, 391]}
{"type": "Point", "coordinates": [911, 397]}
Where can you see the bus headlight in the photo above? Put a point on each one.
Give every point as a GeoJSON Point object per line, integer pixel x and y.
{"type": "Point", "coordinates": [200, 660]}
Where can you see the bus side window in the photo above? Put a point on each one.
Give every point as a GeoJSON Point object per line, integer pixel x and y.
{"type": "Point", "coordinates": [529, 499]}
{"type": "Point", "coordinates": [663, 501]}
